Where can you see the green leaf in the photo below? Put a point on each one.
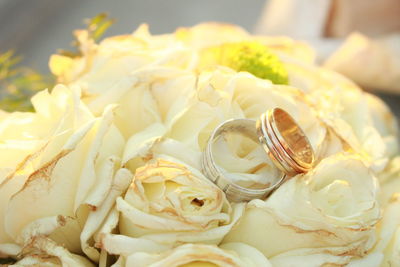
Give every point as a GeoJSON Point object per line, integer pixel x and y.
{"type": "Point", "coordinates": [19, 84]}
{"type": "Point", "coordinates": [98, 25]}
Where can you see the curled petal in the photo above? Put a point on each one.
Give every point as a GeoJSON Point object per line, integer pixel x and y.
{"type": "Point", "coordinates": [334, 205]}
{"type": "Point", "coordinates": [234, 254]}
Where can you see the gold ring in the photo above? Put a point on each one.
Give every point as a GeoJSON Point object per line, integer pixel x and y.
{"type": "Point", "coordinates": [285, 142]}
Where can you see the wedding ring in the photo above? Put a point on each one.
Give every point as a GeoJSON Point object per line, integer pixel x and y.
{"type": "Point", "coordinates": [285, 142]}
{"type": "Point", "coordinates": [282, 139]}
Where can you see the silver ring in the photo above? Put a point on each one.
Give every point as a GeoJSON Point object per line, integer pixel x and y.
{"type": "Point", "coordinates": [282, 139]}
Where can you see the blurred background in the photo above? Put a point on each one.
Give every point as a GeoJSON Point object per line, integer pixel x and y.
{"type": "Point", "coordinates": [36, 29]}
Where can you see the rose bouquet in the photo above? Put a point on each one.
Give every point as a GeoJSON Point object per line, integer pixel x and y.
{"type": "Point", "coordinates": [107, 169]}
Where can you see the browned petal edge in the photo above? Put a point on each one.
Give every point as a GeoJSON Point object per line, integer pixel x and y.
{"type": "Point", "coordinates": [62, 221]}
{"type": "Point", "coordinates": [326, 232]}
{"type": "Point", "coordinates": [40, 257]}
{"type": "Point", "coordinates": [354, 252]}
{"type": "Point", "coordinates": [135, 189]}
{"type": "Point", "coordinates": [23, 163]}
{"type": "Point", "coordinates": [141, 174]}
{"type": "Point", "coordinates": [372, 223]}
{"type": "Point", "coordinates": [46, 170]}
{"type": "Point", "coordinates": [92, 207]}
{"type": "Point", "coordinates": [200, 227]}
{"type": "Point", "coordinates": [159, 163]}
{"type": "Point", "coordinates": [33, 248]}
{"type": "Point", "coordinates": [299, 230]}
{"type": "Point", "coordinates": [100, 244]}
{"type": "Point", "coordinates": [181, 170]}
{"type": "Point", "coordinates": [149, 154]}
{"type": "Point", "coordinates": [30, 248]}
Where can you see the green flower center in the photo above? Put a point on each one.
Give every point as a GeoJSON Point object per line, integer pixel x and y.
{"type": "Point", "coordinates": [249, 56]}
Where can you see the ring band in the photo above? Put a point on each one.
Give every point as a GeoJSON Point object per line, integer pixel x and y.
{"type": "Point", "coordinates": [234, 192]}
{"type": "Point", "coordinates": [282, 139]}
{"type": "Point", "coordinates": [285, 142]}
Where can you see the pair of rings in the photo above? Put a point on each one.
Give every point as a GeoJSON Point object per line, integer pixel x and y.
{"type": "Point", "coordinates": [282, 139]}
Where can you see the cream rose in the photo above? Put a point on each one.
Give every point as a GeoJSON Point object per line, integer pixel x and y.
{"type": "Point", "coordinates": [224, 94]}
{"type": "Point", "coordinates": [161, 100]}
{"type": "Point", "coordinates": [22, 134]}
{"type": "Point", "coordinates": [116, 169]}
{"type": "Point", "coordinates": [30, 140]}
{"type": "Point", "coordinates": [363, 121]}
{"type": "Point", "coordinates": [199, 255]}
{"type": "Point", "coordinates": [388, 245]}
{"type": "Point", "coordinates": [385, 122]}
{"type": "Point", "coordinates": [45, 252]}
{"type": "Point", "coordinates": [250, 96]}
{"type": "Point", "coordinates": [105, 71]}
{"type": "Point", "coordinates": [74, 176]}
{"type": "Point", "coordinates": [333, 207]}
{"type": "Point", "coordinates": [389, 180]}
{"type": "Point", "coordinates": [372, 125]}
{"type": "Point", "coordinates": [170, 202]}
{"type": "Point", "coordinates": [386, 251]}
{"type": "Point", "coordinates": [221, 95]}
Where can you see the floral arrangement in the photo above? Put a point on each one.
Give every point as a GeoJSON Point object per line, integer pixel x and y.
{"type": "Point", "coordinates": [106, 170]}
